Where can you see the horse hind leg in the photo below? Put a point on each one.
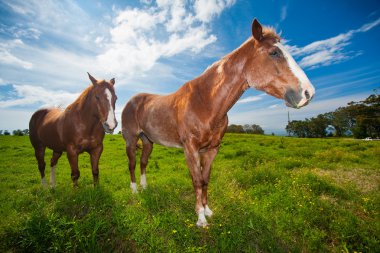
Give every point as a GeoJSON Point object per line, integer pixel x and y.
{"type": "Point", "coordinates": [39, 152]}
{"type": "Point", "coordinates": [146, 151]}
{"type": "Point", "coordinates": [131, 153]}
{"type": "Point", "coordinates": [53, 165]}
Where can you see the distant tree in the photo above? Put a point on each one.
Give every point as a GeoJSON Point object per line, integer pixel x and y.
{"type": "Point", "coordinates": [235, 129]}
{"type": "Point", "coordinates": [298, 128]}
{"type": "Point", "coordinates": [18, 132]}
{"type": "Point", "coordinates": [362, 119]}
{"type": "Point", "coordinates": [1, 132]}
{"type": "Point", "coordinates": [248, 129]}
{"type": "Point", "coordinates": [318, 126]}
{"type": "Point", "coordinates": [340, 120]}
{"type": "Point", "coordinates": [366, 117]}
{"type": "Point", "coordinates": [6, 132]}
{"type": "Point", "coordinates": [256, 129]}
{"type": "Point", "coordinates": [25, 131]}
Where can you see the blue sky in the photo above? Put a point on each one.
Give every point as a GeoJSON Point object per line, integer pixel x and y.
{"type": "Point", "coordinates": [46, 48]}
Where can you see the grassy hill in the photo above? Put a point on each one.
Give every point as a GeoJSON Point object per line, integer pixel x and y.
{"type": "Point", "coordinates": [268, 194]}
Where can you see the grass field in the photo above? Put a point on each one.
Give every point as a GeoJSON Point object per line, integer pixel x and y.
{"type": "Point", "coordinates": [268, 194]}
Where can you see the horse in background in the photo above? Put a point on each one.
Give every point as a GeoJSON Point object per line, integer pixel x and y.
{"type": "Point", "coordinates": [195, 116]}
{"type": "Point", "coordinates": [78, 128]}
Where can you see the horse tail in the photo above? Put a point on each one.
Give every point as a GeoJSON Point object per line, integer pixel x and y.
{"type": "Point", "coordinates": [34, 123]}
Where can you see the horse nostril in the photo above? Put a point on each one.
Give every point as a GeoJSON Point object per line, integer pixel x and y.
{"type": "Point", "coordinates": [307, 94]}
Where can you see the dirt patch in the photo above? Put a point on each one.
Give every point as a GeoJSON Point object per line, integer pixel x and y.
{"type": "Point", "coordinates": [363, 179]}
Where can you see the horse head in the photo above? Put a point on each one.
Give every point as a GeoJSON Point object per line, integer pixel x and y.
{"type": "Point", "coordinates": [105, 98]}
{"type": "Point", "coordinates": [271, 68]}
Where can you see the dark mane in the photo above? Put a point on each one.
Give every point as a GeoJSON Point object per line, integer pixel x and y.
{"type": "Point", "coordinates": [82, 97]}
{"type": "Point", "coordinates": [86, 94]}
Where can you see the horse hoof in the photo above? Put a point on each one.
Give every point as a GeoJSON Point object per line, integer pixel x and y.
{"type": "Point", "coordinates": [134, 188]}
{"type": "Point", "coordinates": [208, 211]}
{"type": "Point", "coordinates": [202, 224]}
{"type": "Point", "coordinates": [43, 182]}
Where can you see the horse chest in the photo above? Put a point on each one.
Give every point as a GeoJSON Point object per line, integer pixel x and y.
{"type": "Point", "coordinates": [85, 144]}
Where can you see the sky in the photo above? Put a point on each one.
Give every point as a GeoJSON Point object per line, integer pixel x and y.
{"type": "Point", "coordinates": [47, 48]}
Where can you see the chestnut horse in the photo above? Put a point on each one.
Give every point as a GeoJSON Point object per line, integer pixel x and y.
{"type": "Point", "coordinates": [77, 129]}
{"type": "Point", "coordinates": [195, 116]}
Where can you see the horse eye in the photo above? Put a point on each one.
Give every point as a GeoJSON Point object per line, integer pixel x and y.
{"type": "Point", "coordinates": [97, 97]}
{"type": "Point", "coordinates": [274, 53]}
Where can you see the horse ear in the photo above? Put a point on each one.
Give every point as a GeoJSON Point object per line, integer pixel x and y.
{"type": "Point", "coordinates": [257, 30]}
{"type": "Point", "coordinates": [112, 81]}
{"type": "Point", "coordinates": [93, 80]}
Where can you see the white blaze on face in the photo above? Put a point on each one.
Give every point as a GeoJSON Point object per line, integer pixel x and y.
{"type": "Point", "coordinates": [304, 82]}
{"type": "Point", "coordinates": [111, 120]}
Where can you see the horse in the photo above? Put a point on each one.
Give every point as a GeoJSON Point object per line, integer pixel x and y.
{"type": "Point", "coordinates": [80, 127]}
{"type": "Point", "coordinates": [194, 117]}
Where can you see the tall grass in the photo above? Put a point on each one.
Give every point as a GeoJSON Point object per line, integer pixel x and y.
{"type": "Point", "coordinates": [268, 194]}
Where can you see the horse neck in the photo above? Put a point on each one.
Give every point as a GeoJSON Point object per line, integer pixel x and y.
{"type": "Point", "coordinates": [223, 84]}
{"type": "Point", "coordinates": [84, 108]}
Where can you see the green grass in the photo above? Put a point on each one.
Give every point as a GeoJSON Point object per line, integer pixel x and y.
{"type": "Point", "coordinates": [268, 194]}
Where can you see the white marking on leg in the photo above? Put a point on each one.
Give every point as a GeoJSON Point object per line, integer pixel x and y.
{"type": "Point", "coordinates": [111, 120]}
{"type": "Point", "coordinates": [134, 187]}
{"type": "Point", "coordinates": [201, 218]}
{"type": "Point", "coordinates": [43, 182]}
{"type": "Point", "coordinates": [143, 181]}
{"type": "Point", "coordinates": [208, 211]}
{"type": "Point", "coordinates": [52, 177]}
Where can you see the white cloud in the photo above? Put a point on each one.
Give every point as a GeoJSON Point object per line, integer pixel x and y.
{"type": "Point", "coordinates": [274, 106]}
{"type": "Point", "coordinates": [284, 12]}
{"type": "Point", "coordinates": [7, 57]}
{"type": "Point", "coordinates": [208, 9]}
{"type": "Point", "coordinates": [15, 119]}
{"type": "Point", "coordinates": [329, 51]}
{"type": "Point", "coordinates": [56, 18]}
{"type": "Point", "coordinates": [140, 37]}
{"type": "Point", "coordinates": [29, 95]}
{"type": "Point", "coordinates": [249, 99]}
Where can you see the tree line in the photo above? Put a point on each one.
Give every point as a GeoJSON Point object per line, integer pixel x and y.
{"type": "Point", "coordinates": [17, 132]}
{"type": "Point", "coordinates": [359, 119]}
{"type": "Point", "coordinates": [249, 129]}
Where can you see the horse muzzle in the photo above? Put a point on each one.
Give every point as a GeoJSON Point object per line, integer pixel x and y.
{"type": "Point", "coordinates": [297, 99]}
{"type": "Point", "coordinates": [107, 127]}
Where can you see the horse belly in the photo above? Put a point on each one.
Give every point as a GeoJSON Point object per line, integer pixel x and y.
{"type": "Point", "coordinates": [163, 138]}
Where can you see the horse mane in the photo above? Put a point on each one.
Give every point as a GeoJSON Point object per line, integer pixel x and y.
{"type": "Point", "coordinates": [270, 33]}
{"type": "Point", "coordinates": [81, 99]}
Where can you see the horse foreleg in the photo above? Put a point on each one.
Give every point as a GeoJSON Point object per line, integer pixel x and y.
{"type": "Point", "coordinates": [193, 161]}
{"type": "Point", "coordinates": [72, 155]}
{"type": "Point", "coordinates": [206, 161]}
{"type": "Point", "coordinates": [146, 151]}
{"type": "Point", "coordinates": [39, 152]}
{"type": "Point", "coordinates": [53, 164]}
{"type": "Point", "coordinates": [95, 156]}
{"type": "Point", "coordinates": [131, 153]}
